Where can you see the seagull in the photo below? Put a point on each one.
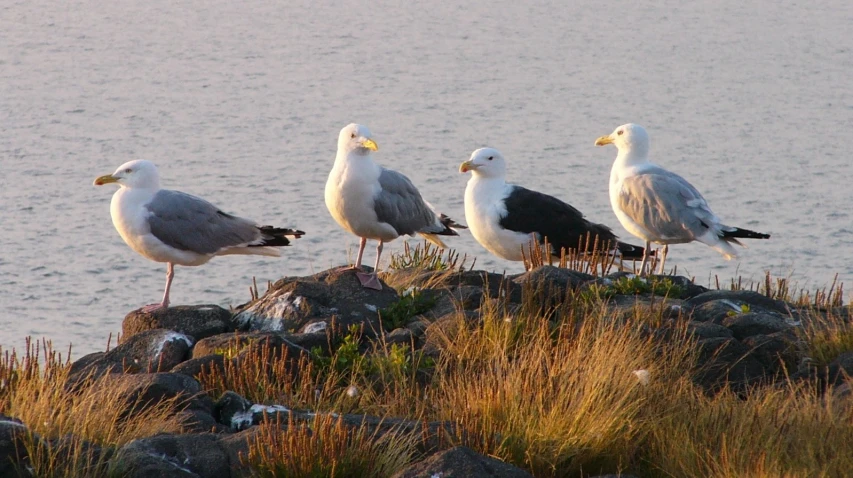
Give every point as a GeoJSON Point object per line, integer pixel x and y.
{"type": "Point", "coordinates": [660, 206]}
{"type": "Point", "coordinates": [373, 202]}
{"type": "Point", "coordinates": [177, 228]}
{"type": "Point", "coordinates": [504, 217]}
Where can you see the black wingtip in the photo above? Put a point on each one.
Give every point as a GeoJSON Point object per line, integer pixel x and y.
{"type": "Point", "coordinates": [449, 226]}
{"type": "Point", "coordinates": [630, 251]}
{"type": "Point", "coordinates": [278, 236]}
{"type": "Point", "coordinates": [738, 233]}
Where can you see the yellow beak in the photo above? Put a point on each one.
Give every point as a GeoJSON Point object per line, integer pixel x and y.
{"type": "Point", "coordinates": [369, 144]}
{"type": "Point", "coordinates": [603, 140]}
{"type": "Point", "coordinates": [106, 179]}
{"type": "Point", "coordinates": [467, 166]}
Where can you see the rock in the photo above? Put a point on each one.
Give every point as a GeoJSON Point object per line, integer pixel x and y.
{"type": "Point", "coordinates": [399, 336]}
{"type": "Point", "coordinates": [229, 405]}
{"type": "Point", "coordinates": [198, 321]}
{"type": "Point", "coordinates": [293, 302]}
{"type": "Point", "coordinates": [207, 363]}
{"type": "Point", "coordinates": [150, 351]}
{"type": "Point", "coordinates": [555, 276]}
{"type": "Point", "coordinates": [13, 435]}
{"type": "Point", "coordinates": [614, 476]}
{"type": "Point", "coordinates": [461, 462]}
{"type": "Point", "coordinates": [713, 311]}
{"type": "Point", "coordinates": [725, 362]}
{"type": "Point", "coordinates": [141, 391]}
{"type": "Point", "coordinates": [754, 323]}
{"type": "Point", "coordinates": [777, 352]}
{"type": "Point", "coordinates": [739, 297]}
{"type": "Point", "coordinates": [464, 297]}
{"type": "Point", "coordinates": [493, 285]}
{"type": "Point", "coordinates": [191, 455]}
{"type": "Point", "coordinates": [707, 330]}
{"type": "Point", "coordinates": [840, 369]}
{"type": "Point", "coordinates": [236, 445]}
{"type": "Point", "coordinates": [229, 344]}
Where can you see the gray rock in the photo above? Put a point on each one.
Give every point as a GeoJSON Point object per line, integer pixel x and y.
{"type": "Point", "coordinates": [755, 323]}
{"type": "Point", "coordinates": [713, 311]}
{"type": "Point", "coordinates": [464, 297]}
{"type": "Point", "coordinates": [207, 363]}
{"type": "Point", "coordinates": [725, 362]}
{"type": "Point", "coordinates": [309, 341]}
{"type": "Point", "coordinates": [708, 330]}
{"type": "Point", "coordinates": [192, 455]}
{"type": "Point", "coordinates": [293, 302]}
{"type": "Point", "coordinates": [141, 391]}
{"type": "Point", "coordinates": [555, 276]}
{"type": "Point", "coordinates": [150, 351]}
{"type": "Point", "coordinates": [461, 462]}
{"type": "Point", "coordinates": [753, 299]}
{"type": "Point", "coordinates": [198, 321]}
{"type": "Point", "coordinates": [399, 336]}
{"type": "Point", "coordinates": [229, 405]}
{"type": "Point", "coordinates": [777, 352]}
{"type": "Point", "coordinates": [236, 445]}
{"type": "Point", "coordinates": [230, 344]}
{"type": "Point", "coordinates": [840, 369]}
{"type": "Point", "coordinates": [13, 434]}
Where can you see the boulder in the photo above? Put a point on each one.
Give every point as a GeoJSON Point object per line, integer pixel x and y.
{"type": "Point", "coordinates": [707, 330]}
{"type": "Point", "coordinates": [146, 352]}
{"type": "Point", "coordinates": [725, 362]}
{"type": "Point", "coordinates": [141, 391]}
{"type": "Point", "coordinates": [461, 462]}
{"type": "Point", "coordinates": [777, 352]}
{"type": "Point", "coordinates": [755, 323]}
{"type": "Point", "coordinates": [754, 300]}
{"type": "Point", "coordinates": [191, 455]}
{"type": "Point", "coordinates": [229, 405]}
{"type": "Point", "coordinates": [207, 363]}
{"type": "Point", "coordinates": [198, 321]}
{"type": "Point", "coordinates": [840, 369]}
{"type": "Point", "coordinates": [555, 277]}
{"type": "Point", "coordinates": [291, 303]}
{"type": "Point", "coordinates": [13, 454]}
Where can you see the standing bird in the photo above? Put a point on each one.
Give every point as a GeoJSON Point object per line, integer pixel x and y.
{"type": "Point", "coordinates": [177, 228]}
{"type": "Point", "coordinates": [504, 217]}
{"type": "Point", "coordinates": [659, 206]}
{"type": "Point", "coordinates": [377, 203]}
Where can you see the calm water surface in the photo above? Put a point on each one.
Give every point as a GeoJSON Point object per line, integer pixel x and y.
{"type": "Point", "coordinates": [241, 103]}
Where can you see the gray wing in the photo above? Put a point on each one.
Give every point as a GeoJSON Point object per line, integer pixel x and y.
{"type": "Point", "coordinates": [192, 224]}
{"type": "Point", "coordinates": [666, 205]}
{"type": "Point", "coordinates": [400, 204]}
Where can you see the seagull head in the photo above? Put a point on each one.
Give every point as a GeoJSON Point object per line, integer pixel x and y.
{"type": "Point", "coordinates": [133, 174]}
{"type": "Point", "coordinates": [356, 138]}
{"type": "Point", "coordinates": [485, 162]}
{"type": "Point", "coordinates": [628, 138]}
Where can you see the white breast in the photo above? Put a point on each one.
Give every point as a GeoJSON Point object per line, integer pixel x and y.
{"type": "Point", "coordinates": [349, 197]}
{"type": "Point", "coordinates": [484, 208]}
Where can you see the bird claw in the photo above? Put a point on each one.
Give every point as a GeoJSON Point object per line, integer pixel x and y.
{"type": "Point", "coordinates": [369, 281]}
{"type": "Point", "coordinates": [154, 307]}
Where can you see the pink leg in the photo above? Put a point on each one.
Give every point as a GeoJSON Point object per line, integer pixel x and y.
{"type": "Point", "coordinates": [170, 273]}
{"type": "Point", "coordinates": [371, 281]}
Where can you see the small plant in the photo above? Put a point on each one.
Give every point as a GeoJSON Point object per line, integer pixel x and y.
{"type": "Point", "coordinates": [744, 308]}
{"type": "Point", "coordinates": [327, 447]}
{"type": "Point", "coordinates": [412, 303]}
{"type": "Point", "coordinates": [346, 359]}
{"type": "Point", "coordinates": [426, 257]}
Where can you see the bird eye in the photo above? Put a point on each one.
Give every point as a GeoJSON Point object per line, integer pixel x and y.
{"type": "Point", "coordinates": [352, 135]}
{"type": "Point", "coordinates": [620, 132]}
{"type": "Point", "coordinates": [128, 170]}
{"type": "Point", "coordinates": [491, 158]}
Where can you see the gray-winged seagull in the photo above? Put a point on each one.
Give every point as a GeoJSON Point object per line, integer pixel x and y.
{"type": "Point", "coordinates": [660, 206]}
{"type": "Point", "coordinates": [373, 202]}
{"type": "Point", "coordinates": [177, 228]}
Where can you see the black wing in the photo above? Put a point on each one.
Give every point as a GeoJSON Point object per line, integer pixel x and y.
{"type": "Point", "coordinates": [564, 226]}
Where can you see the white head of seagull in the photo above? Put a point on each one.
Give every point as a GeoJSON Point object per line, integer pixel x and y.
{"type": "Point", "coordinates": [139, 174]}
{"type": "Point", "coordinates": [631, 140]}
{"type": "Point", "coordinates": [356, 138]}
{"type": "Point", "coordinates": [485, 163]}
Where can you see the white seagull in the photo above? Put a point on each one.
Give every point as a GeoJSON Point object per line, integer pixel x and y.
{"type": "Point", "coordinates": [377, 203]}
{"type": "Point", "coordinates": [504, 217]}
{"type": "Point", "coordinates": [660, 206]}
{"type": "Point", "coordinates": [177, 228]}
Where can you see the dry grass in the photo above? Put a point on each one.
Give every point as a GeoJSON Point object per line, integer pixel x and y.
{"type": "Point", "coordinates": [65, 423]}
{"type": "Point", "coordinates": [328, 448]}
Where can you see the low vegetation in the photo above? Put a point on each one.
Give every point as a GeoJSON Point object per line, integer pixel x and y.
{"type": "Point", "coordinates": [554, 386]}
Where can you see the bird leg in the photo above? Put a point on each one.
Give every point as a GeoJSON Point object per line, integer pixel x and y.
{"type": "Point", "coordinates": [371, 281]}
{"type": "Point", "coordinates": [170, 273]}
{"type": "Point", "coordinates": [361, 246]}
{"type": "Point", "coordinates": [663, 257]}
{"type": "Point", "coordinates": [645, 259]}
